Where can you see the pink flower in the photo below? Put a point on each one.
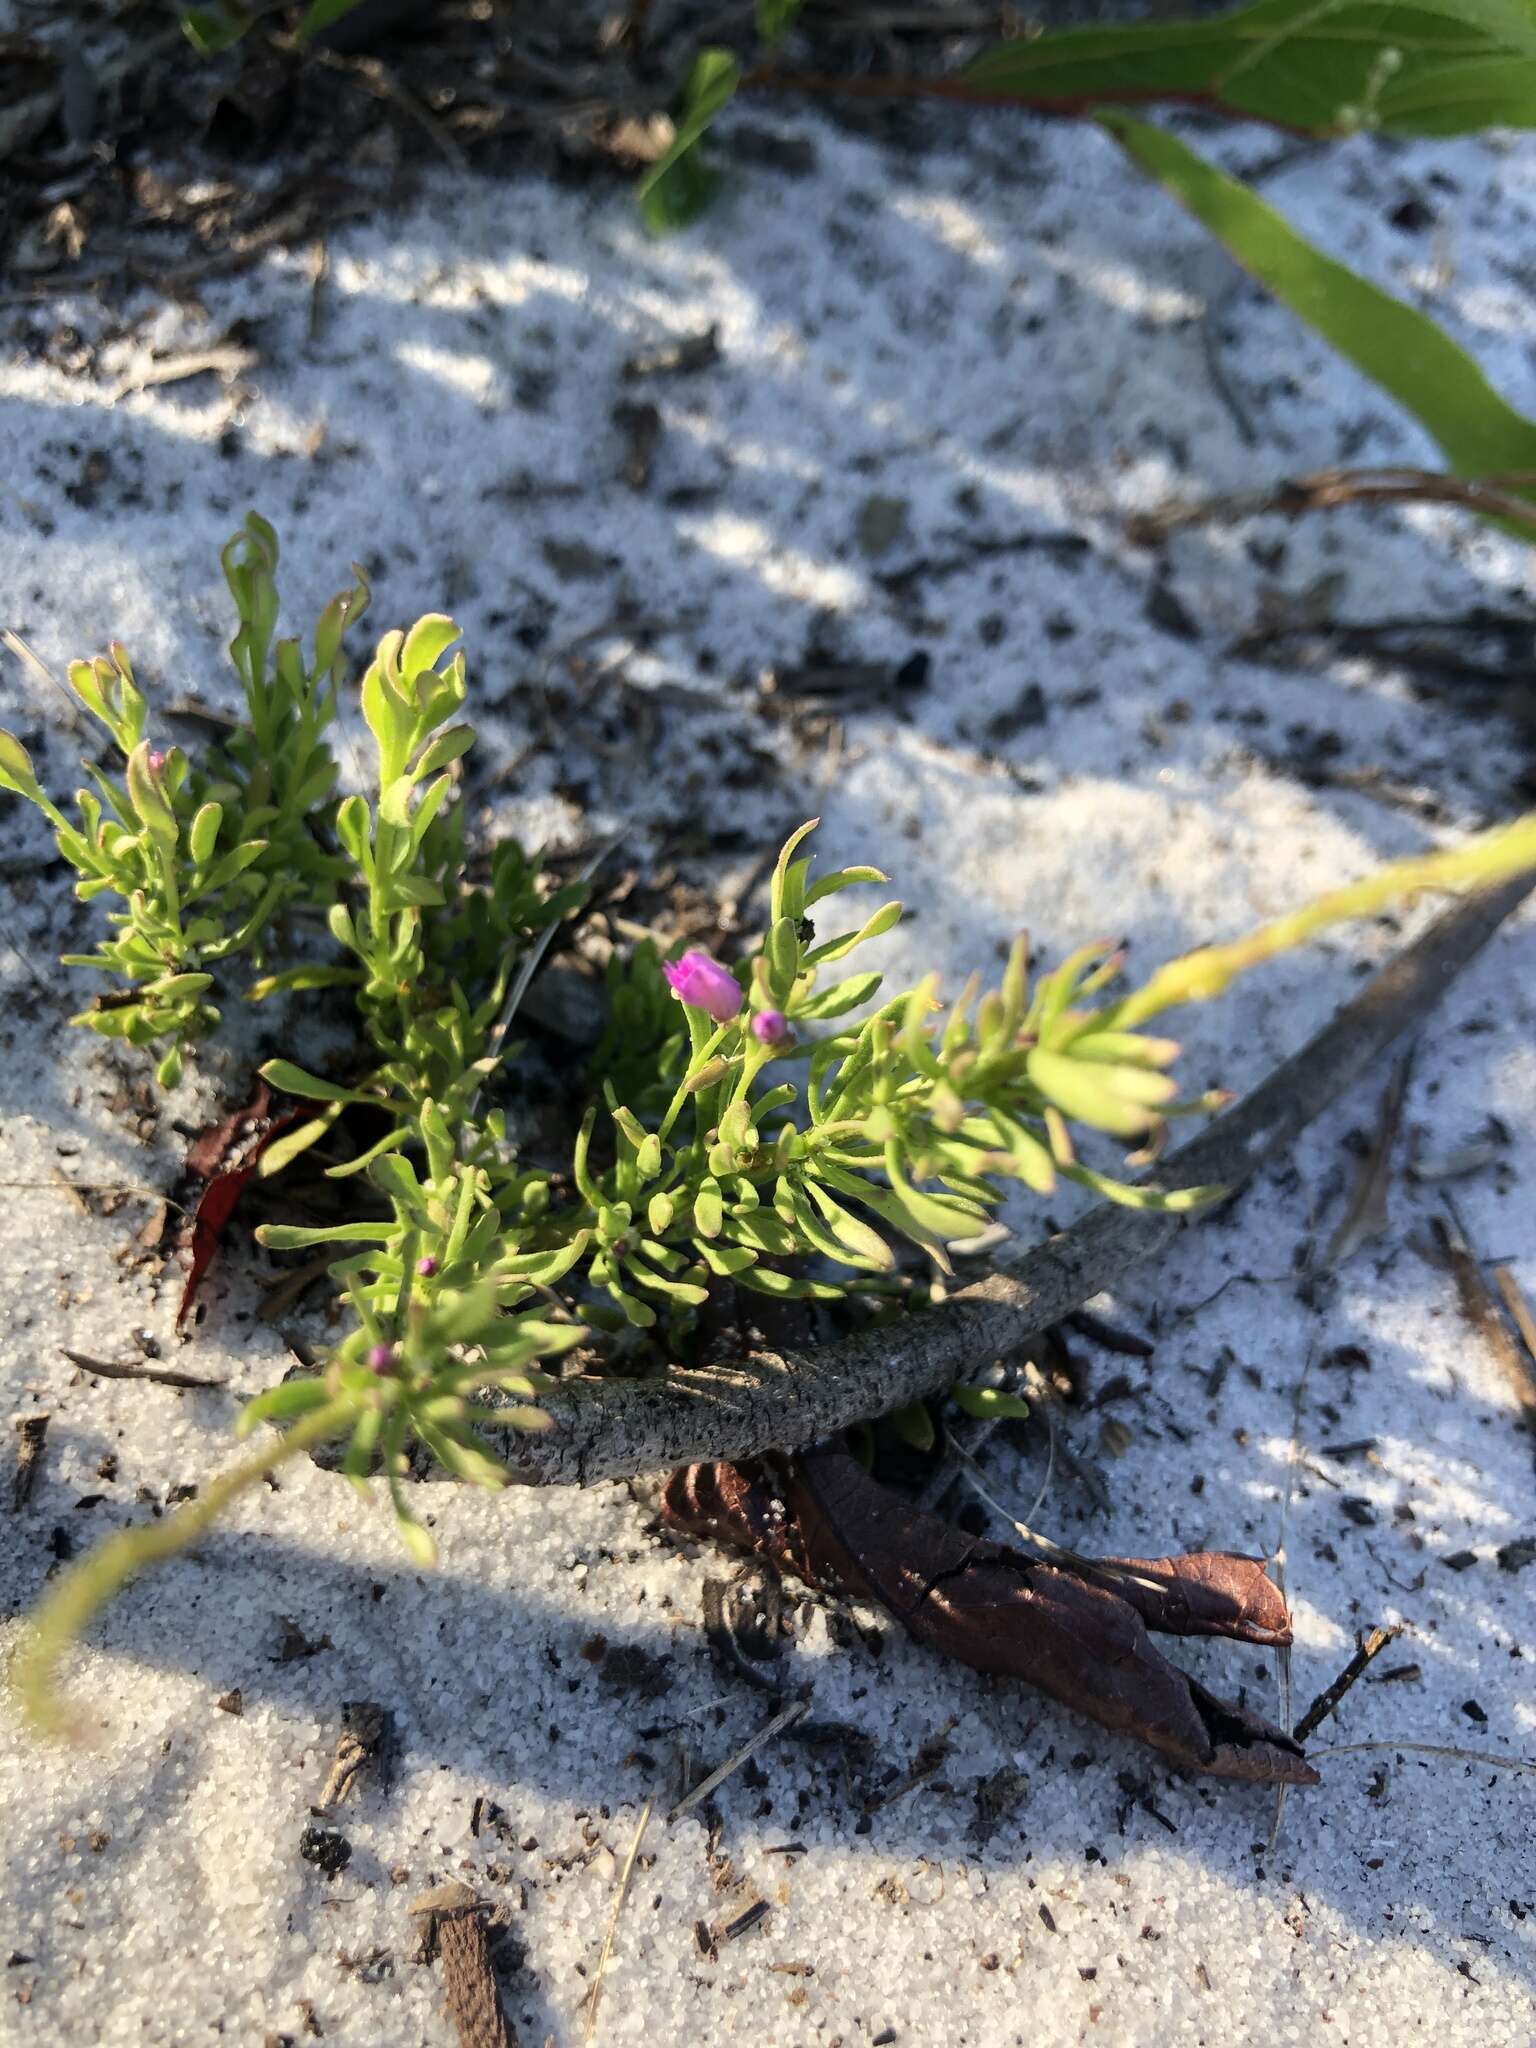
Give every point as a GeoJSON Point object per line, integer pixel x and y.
{"type": "Point", "coordinates": [426, 1267]}
{"type": "Point", "coordinates": [155, 761]}
{"type": "Point", "coordinates": [381, 1358]}
{"type": "Point", "coordinates": [703, 984]}
{"type": "Point", "coordinates": [771, 1027]}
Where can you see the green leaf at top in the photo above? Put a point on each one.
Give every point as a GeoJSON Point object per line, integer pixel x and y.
{"type": "Point", "coordinates": [775, 16]}
{"type": "Point", "coordinates": [679, 186]}
{"type": "Point", "coordinates": [212, 29]}
{"type": "Point", "coordinates": [1396, 346]}
{"type": "Point", "coordinates": [1437, 67]}
{"type": "Point", "coordinates": [321, 15]}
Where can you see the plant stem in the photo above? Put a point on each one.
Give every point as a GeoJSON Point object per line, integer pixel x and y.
{"type": "Point", "coordinates": [88, 1585]}
{"type": "Point", "coordinates": [1481, 862]}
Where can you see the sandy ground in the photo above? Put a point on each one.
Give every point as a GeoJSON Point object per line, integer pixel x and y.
{"type": "Point", "coordinates": [942, 385]}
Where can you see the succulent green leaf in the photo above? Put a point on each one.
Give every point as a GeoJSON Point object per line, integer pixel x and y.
{"type": "Point", "coordinates": [448, 747]}
{"type": "Point", "coordinates": [837, 1000]}
{"type": "Point", "coordinates": [294, 1081]}
{"type": "Point", "coordinates": [1134, 1195]}
{"type": "Point", "coordinates": [294, 1237]}
{"type": "Point", "coordinates": [708, 1210]}
{"type": "Point", "coordinates": [281, 1404]}
{"type": "Point", "coordinates": [989, 1404]}
{"type": "Point", "coordinates": [204, 831]}
{"type": "Point", "coordinates": [784, 901]}
{"type": "Point", "coordinates": [16, 770]}
{"type": "Point", "coordinates": [884, 919]}
{"type": "Point", "coordinates": [426, 643]}
{"type": "Point", "coordinates": [844, 878]}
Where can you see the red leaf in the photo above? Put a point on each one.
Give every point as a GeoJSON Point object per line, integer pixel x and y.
{"type": "Point", "coordinates": [241, 1137]}
{"type": "Point", "coordinates": [1076, 1632]}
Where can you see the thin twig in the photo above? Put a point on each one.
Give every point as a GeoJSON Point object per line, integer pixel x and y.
{"type": "Point", "coordinates": [613, 1919]}
{"type": "Point", "coordinates": [614, 1428]}
{"type": "Point", "coordinates": [1324, 490]}
{"type": "Point", "coordinates": [1279, 1562]}
{"type": "Point", "coordinates": [31, 1434]}
{"type": "Point", "coordinates": [138, 1369]}
{"type": "Point", "coordinates": [1481, 1310]}
{"type": "Point", "coordinates": [1365, 1218]}
{"type": "Point", "coordinates": [1471, 1756]}
{"type": "Point", "coordinates": [1520, 1311]}
{"type": "Point", "coordinates": [781, 1720]}
{"type": "Point", "coordinates": [1071, 1560]}
{"type": "Point", "coordinates": [33, 661]}
{"type": "Point", "coordinates": [1367, 1651]}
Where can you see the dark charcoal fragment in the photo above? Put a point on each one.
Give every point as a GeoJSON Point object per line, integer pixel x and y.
{"type": "Point", "coordinates": [327, 1848]}
{"type": "Point", "coordinates": [635, 1671]}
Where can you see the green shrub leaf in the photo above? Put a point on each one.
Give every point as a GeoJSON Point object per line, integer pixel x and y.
{"type": "Point", "coordinates": [1328, 67]}
{"type": "Point", "coordinates": [1397, 347]}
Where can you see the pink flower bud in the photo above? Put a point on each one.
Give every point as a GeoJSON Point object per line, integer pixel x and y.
{"type": "Point", "coordinates": [154, 761]}
{"type": "Point", "coordinates": [426, 1267]}
{"type": "Point", "coordinates": [771, 1027]}
{"type": "Point", "coordinates": [381, 1358]}
{"type": "Point", "coordinates": [703, 984]}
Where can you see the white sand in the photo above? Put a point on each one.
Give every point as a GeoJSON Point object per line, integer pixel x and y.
{"type": "Point", "coordinates": [1009, 340]}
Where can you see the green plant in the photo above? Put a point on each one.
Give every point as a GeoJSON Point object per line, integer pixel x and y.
{"type": "Point", "coordinates": [776, 1142]}
{"type": "Point", "coordinates": [203, 856]}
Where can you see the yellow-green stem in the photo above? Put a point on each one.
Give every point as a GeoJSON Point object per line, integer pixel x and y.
{"type": "Point", "coordinates": [1480, 862]}
{"type": "Point", "coordinates": [79, 1592]}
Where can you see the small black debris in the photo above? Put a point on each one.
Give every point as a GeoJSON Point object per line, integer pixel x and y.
{"type": "Point", "coordinates": [744, 1922]}
{"type": "Point", "coordinates": [633, 1670]}
{"type": "Point", "coordinates": [327, 1848]}
{"type": "Point", "coordinates": [295, 1645]}
{"type": "Point", "coordinates": [676, 358]}
{"type": "Point", "coordinates": [1514, 1557]}
{"type": "Point", "coordinates": [1414, 216]}
{"type": "Point", "coordinates": [1395, 1675]}
{"type": "Point", "coordinates": [1459, 1560]}
{"type": "Point", "coordinates": [1474, 1712]}
{"type": "Point", "coordinates": [1168, 612]}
